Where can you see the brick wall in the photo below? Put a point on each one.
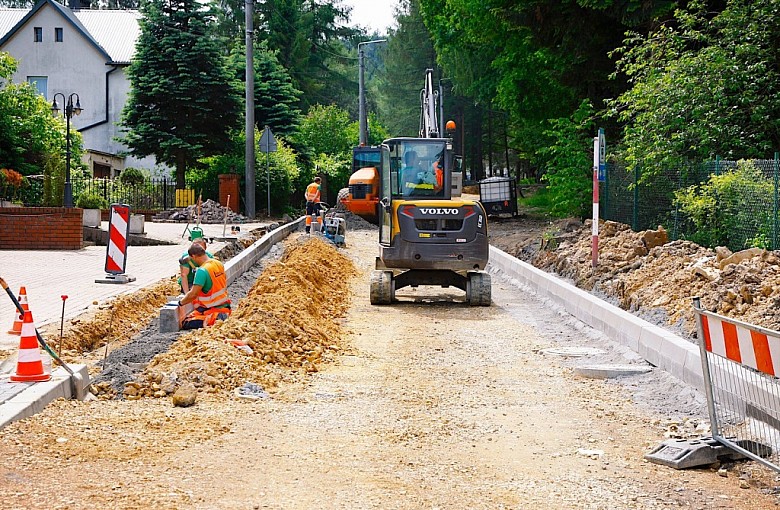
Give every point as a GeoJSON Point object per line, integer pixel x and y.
{"type": "Point", "coordinates": [40, 228]}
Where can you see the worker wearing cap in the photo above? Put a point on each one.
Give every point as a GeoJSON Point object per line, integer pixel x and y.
{"type": "Point", "coordinates": [313, 194]}
{"type": "Point", "coordinates": [187, 266]}
{"type": "Point", "coordinates": [208, 294]}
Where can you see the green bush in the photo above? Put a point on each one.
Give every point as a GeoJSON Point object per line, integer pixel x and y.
{"type": "Point", "coordinates": [132, 177]}
{"type": "Point", "coordinates": [91, 201]}
{"type": "Point", "coordinates": [730, 209]}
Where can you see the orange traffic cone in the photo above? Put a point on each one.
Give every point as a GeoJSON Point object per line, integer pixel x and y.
{"type": "Point", "coordinates": [29, 366]}
{"type": "Point", "coordinates": [16, 329]}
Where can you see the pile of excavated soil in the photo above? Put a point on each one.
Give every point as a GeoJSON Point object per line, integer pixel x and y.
{"type": "Point", "coordinates": [127, 315]}
{"type": "Point", "coordinates": [288, 322]}
{"type": "Point", "coordinates": [646, 274]}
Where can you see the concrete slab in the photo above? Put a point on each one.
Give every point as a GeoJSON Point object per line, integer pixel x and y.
{"type": "Point", "coordinates": [36, 396]}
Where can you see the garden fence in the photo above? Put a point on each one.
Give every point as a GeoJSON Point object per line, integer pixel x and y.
{"type": "Point", "coordinates": [152, 194]}
{"type": "Point", "coordinates": [745, 215]}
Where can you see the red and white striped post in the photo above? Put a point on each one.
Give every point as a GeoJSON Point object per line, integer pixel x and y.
{"type": "Point", "coordinates": [599, 174]}
{"type": "Point", "coordinates": [594, 244]}
{"type": "Point", "coordinates": [116, 247]}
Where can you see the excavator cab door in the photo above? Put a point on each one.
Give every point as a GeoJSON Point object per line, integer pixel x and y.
{"type": "Point", "coordinates": [386, 199]}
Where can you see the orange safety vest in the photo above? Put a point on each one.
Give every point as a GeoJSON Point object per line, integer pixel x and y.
{"type": "Point", "coordinates": [217, 296]}
{"type": "Point", "coordinates": [313, 192]}
{"type": "Point", "coordinates": [209, 305]}
{"type": "Point", "coordinates": [439, 172]}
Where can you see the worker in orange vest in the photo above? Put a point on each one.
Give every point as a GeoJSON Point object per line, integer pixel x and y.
{"type": "Point", "coordinates": [313, 193]}
{"type": "Point", "coordinates": [208, 294]}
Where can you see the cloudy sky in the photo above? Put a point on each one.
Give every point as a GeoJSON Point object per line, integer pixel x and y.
{"type": "Point", "coordinates": [374, 14]}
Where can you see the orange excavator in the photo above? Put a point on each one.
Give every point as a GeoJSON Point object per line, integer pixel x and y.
{"type": "Point", "coordinates": [363, 196]}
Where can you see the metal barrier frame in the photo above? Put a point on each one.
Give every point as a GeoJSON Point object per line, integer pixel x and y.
{"type": "Point", "coordinates": [757, 386]}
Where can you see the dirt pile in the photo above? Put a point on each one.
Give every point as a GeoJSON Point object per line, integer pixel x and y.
{"type": "Point", "coordinates": [118, 320]}
{"type": "Point", "coordinates": [126, 315]}
{"type": "Point", "coordinates": [210, 212]}
{"type": "Point", "coordinates": [645, 273]}
{"type": "Point", "coordinates": [288, 321]}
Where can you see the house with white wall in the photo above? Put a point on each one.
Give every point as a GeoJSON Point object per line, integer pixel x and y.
{"type": "Point", "coordinates": [66, 50]}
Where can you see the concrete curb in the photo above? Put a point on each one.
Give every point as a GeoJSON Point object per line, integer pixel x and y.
{"type": "Point", "coordinates": [247, 258]}
{"type": "Point", "coordinates": [38, 395]}
{"type": "Point", "coordinates": [170, 314]}
{"type": "Point", "coordinates": [664, 349]}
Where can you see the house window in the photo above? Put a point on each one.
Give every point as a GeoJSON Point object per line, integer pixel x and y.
{"type": "Point", "coordinates": [38, 34]}
{"type": "Point", "coordinates": [41, 84]}
{"type": "Point", "coordinates": [58, 34]}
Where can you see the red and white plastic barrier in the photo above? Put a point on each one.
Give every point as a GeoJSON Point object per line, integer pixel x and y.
{"type": "Point", "coordinates": [742, 344]}
{"type": "Point", "coordinates": [116, 247]}
{"type": "Point", "coordinates": [118, 233]}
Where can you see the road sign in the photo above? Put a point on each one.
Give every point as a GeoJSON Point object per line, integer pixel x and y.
{"type": "Point", "coordinates": [602, 145]}
{"type": "Point", "coordinates": [267, 141]}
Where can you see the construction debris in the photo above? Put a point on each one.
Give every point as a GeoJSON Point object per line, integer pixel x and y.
{"type": "Point", "coordinates": [210, 212]}
{"type": "Point", "coordinates": [647, 274]}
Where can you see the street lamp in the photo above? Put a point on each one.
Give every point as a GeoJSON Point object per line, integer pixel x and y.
{"type": "Point", "coordinates": [70, 111]}
{"type": "Point", "coordinates": [362, 118]}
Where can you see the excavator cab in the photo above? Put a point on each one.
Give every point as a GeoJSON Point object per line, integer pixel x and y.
{"type": "Point", "coordinates": [426, 236]}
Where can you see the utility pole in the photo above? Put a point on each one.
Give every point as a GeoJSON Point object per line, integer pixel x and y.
{"type": "Point", "coordinates": [363, 119]}
{"type": "Point", "coordinates": [249, 173]}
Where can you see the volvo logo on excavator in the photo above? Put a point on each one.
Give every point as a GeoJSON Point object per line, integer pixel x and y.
{"type": "Point", "coordinates": [437, 210]}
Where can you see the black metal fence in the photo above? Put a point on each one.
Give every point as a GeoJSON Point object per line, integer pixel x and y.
{"type": "Point", "coordinates": [152, 194]}
{"type": "Point", "coordinates": [727, 203]}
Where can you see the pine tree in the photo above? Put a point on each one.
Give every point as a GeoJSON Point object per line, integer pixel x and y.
{"type": "Point", "coordinates": [276, 99]}
{"type": "Point", "coordinates": [182, 103]}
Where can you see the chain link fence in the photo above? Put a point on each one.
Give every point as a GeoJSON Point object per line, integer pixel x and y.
{"type": "Point", "coordinates": [716, 203]}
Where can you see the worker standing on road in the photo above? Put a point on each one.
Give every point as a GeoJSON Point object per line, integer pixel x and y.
{"type": "Point", "coordinates": [187, 266]}
{"type": "Point", "coordinates": [313, 194]}
{"type": "Point", "coordinates": [208, 294]}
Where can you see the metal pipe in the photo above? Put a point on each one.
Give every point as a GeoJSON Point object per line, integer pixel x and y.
{"type": "Point", "coordinates": [362, 116]}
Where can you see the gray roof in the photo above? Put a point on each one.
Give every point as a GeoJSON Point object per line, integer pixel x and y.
{"type": "Point", "coordinates": [116, 31]}
{"type": "Point", "coordinates": [113, 32]}
{"type": "Point", "coordinates": [9, 18]}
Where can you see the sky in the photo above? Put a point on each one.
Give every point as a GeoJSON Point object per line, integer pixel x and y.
{"type": "Point", "coordinates": [373, 14]}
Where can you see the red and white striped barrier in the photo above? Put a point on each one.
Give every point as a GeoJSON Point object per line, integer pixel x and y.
{"type": "Point", "coordinates": [742, 344]}
{"type": "Point", "coordinates": [116, 247]}
{"type": "Point", "coordinates": [739, 365]}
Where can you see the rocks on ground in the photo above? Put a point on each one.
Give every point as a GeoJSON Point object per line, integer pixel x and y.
{"type": "Point", "coordinates": [210, 212]}
{"type": "Point", "coordinates": [644, 272]}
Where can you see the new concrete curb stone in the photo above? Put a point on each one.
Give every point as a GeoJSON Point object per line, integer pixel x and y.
{"type": "Point", "coordinates": [659, 347]}
{"type": "Point", "coordinates": [235, 267]}
{"type": "Point", "coordinates": [38, 395]}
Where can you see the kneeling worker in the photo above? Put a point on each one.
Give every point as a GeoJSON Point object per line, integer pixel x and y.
{"type": "Point", "coordinates": [208, 294]}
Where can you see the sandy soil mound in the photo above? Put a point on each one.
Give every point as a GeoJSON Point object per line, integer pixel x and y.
{"type": "Point", "coordinates": [646, 273]}
{"type": "Point", "coordinates": [288, 320]}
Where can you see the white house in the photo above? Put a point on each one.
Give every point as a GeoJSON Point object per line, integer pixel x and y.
{"type": "Point", "coordinates": [63, 50]}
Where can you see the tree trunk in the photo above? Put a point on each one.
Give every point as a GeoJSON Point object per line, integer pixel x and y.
{"type": "Point", "coordinates": [181, 167]}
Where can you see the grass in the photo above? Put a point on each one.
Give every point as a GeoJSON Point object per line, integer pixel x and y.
{"type": "Point", "coordinates": [540, 200]}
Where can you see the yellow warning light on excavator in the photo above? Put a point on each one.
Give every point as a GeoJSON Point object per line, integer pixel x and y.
{"type": "Point", "coordinates": [450, 126]}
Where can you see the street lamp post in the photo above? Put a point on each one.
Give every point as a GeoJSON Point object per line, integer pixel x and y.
{"type": "Point", "coordinates": [70, 111]}
{"type": "Point", "coordinates": [362, 117]}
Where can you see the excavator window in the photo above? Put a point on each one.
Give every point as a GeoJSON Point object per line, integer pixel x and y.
{"type": "Point", "coordinates": [417, 167]}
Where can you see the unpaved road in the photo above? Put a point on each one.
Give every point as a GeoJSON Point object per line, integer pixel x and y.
{"type": "Point", "coordinates": [433, 404]}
